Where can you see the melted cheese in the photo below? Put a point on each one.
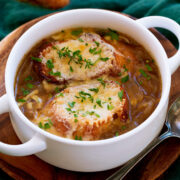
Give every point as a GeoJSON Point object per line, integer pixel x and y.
{"type": "Point", "coordinates": [81, 72]}
{"type": "Point", "coordinates": [87, 112]}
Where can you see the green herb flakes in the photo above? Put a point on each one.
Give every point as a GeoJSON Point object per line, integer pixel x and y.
{"type": "Point", "coordinates": [81, 40]}
{"type": "Point", "coordinates": [29, 78]}
{"type": "Point", "coordinates": [71, 69]}
{"type": "Point", "coordinates": [78, 138]}
{"type": "Point", "coordinates": [50, 64]}
{"type": "Point", "coordinates": [125, 79]}
{"type": "Point", "coordinates": [104, 59]}
{"type": "Point", "coordinates": [29, 85]}
{"type": "Point", "coordinates": [143, 73]}
{"type": "Point", "coordinates": [76, 32]}
{"type": "Point", "coordinates": [110, 107]}
{"type": "Point", "coordinates": [57, 73]}
{"type": "Point", "coordinates": [113, 34]}
{"type": "Point", "coordinates": [97, 43]}
{"type": "Point", "coordinates": [57, 90]}
{"type": "Point", "coordinates": [25, 91]}
{"type": "Point", "coordinates": [123, 127]}
{"type": "Point", "coordinates": [96, 90]}
{"type": "Point", "coordinates": [102, 82]}
{"type": "Point", "coordinates": [40, 125]}
{"type": "Point", "coordinates": [21, 100]}
{"type": "Point", "coordinates": [98, 101]}
{"type": "Point", "coordinates": [47, 125]}
{"type": "Point", "coordinates": [60, 95]}
{"type": "Point", "coordinates": [120, 95]}
{"type": "Point", "coordinates": [36, 59]}
{"type": "Point", "coordinates": [117, 134]}
{"type": "Point", "coordinates": [71, 104]}
{"type": "Point", "coordinates": [75, 120]}
{"type": "Point", "coordinates": [149, 68]}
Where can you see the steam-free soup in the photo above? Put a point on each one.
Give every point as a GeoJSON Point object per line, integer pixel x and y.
{"type": "Point", "coordinates": [87, 84]}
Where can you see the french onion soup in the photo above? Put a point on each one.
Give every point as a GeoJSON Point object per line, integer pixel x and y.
{"type": "Point", "coordinates": [87, 84]}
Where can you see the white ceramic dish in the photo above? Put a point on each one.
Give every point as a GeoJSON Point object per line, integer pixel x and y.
{"type": "Point", "coordinates": [99, 155]}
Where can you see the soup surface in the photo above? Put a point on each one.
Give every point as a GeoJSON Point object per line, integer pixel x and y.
{"type": "Point", "coordinates": [87, 84]}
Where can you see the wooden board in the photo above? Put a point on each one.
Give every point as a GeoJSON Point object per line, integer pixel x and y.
{"type": "Point", "coordinates": [31, 167]}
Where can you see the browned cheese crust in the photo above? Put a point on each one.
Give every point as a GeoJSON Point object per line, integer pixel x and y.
{"type": "Point", "coordinates": [89, 110]}
{"type": "Point", "coordinates": [85, 58]}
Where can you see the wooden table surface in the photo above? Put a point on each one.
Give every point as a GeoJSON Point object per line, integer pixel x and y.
{"type": "Point", "coordinates": [31, 167]}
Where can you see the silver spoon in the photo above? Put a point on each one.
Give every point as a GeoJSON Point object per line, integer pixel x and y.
{"type": "Point", "coordinates": [173, 125]}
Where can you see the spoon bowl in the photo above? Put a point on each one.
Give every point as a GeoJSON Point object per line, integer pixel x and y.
{"type": "Point", "coordinates": [173, 125]}
{"type": "Point", "coordinates": [173, 118]}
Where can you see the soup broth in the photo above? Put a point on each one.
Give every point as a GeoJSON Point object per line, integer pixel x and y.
{"type": "Point", "coordinates": [137, 76]}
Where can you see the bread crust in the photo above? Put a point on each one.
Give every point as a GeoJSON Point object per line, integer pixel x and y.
{"type": "Point", "coordinates": [91, 124]}
{"type": "Point", "coordinates": [111, 66]}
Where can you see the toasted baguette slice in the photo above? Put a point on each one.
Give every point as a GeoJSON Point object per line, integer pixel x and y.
{"type": "Point", "coordinates": [85, 58]}
{"type": "Point", "coordinates": [88, 111]}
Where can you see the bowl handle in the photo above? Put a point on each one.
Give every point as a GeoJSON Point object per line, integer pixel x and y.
{"type": "Point", "coordinates": [169, 24]}
{"type": "Point", "coordinates": [34, 145]}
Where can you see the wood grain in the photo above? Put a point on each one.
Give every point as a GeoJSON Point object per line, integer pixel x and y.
{"type": "Point", "coordinates": [31, 167]}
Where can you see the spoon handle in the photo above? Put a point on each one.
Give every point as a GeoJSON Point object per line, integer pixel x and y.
{"type": "Point", "coordinates": [131, 163]}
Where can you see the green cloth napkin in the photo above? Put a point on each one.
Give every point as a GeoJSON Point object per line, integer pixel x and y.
{"type": "Point", "coordinates": [14, 13]}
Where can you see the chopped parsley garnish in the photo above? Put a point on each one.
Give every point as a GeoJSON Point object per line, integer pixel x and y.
{"type": "Point", "coordinates": [97, 43]}
{"type": "Point", "coordinates": [75, 115]}
{"type": "Point", "coordinates": [104, 59]}
{"type": "Point", "coordinates": [29, 78]}
{"type": "Point", "coordinates": [120, 94]}
{"type": "Point", "coordinates": [113, 34]}
{"type": "Point", "coordinates": [125, 79]}
{"type": "Point", "coordinates": [71, 69]}
{"type": "Point", "coordinates": [109, 98]}
{"type": "Point", "coordinates": [94, 51]}
{"type": "Point", "coordinates": [50, 64]}
{"type": "Point", "coordinates": [125, 68]}
{"type": "Point", "coordinates": [102, 82]}
{"type": "Point", "coordinates": [75, 120]}
{"type": "Point", "coordinates": [96, 90]}
{"type": "Point", "coordinates": [110, 107]}
{"type": "Point", "coordinates": [117, 134]}
{"type": "Point", "coordinates": [21, 100]}
{"type": "Point", "coordinates": [71, 104]}
{"type": "Point", "coordinates": [60, 95]}
{"type": "Point", "coordinates": [78, 138]}
{"type": "Point", "coordinates": [119, 74]}
{"type": "Point", "coordinates": [123, 127]}
{"type": "Point", "coordinates": [25, 91]}
{"type": "Point", "coordinates": [82, 96]}
{"type": "Point", "coordinates": [36, 59]}
{"type": "Point", "coordinates": [68, 109]}
{"type": "Point", "coordinates": [94, 106]}
{"type": "Point", "coordinates": [143, 73]}
{"type": "Point", "coordinates": [76, 32]}
{"type": "Point", "coordinates": [40, 125]}
{"type": "Point", "coordinates": [46, 125]}
{"type": "Point", "coordinates": [97, 115]}
{"type": "Point", "coordinates": [55, 73]}
{"type": "Point", "coordinates": [149, 68]}
{"type": "Point", "coordinates": [57, 90]}
{"type": "Point", "coordinates": [54, 47]}
{"type": "Point", "coordinates": [88, 63]}
{"type": "Point", "coordinates": [81, 40]}
{"type": "Point", "coordinates": [29, 85]}
{"type": "Point", "coordinates": [98, 101]}
{"type": "Point", "coordinates": [86, 44]}
{"type": "Point", "coordinates": [117, 82]}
